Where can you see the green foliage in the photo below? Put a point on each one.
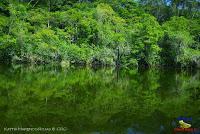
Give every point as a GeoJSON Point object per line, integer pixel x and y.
{"type": "Point", "coordinates": [3, 23]}
{"type": "Point", "coordinates": [111, 30]}
{"type": "Point", "coordinates": [144, 36]}
{"type": "Point", "coordinates": [104, 56]}
{"type": "Point", "coordinates": [91, 32]}
{"type": "Point", "coordinates": [178, 42]}
{"type": "Point", "coordinates": [165, 9]}
{"type": "Point", "coordinates": [195, 32]}
{"type": "Point", "coordinates": [77, 55]}
{"type": "Point", "coordinates": [38, 18]}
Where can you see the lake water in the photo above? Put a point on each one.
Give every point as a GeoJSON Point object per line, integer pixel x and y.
{"type": "Point", "coordinates": [97, 101]}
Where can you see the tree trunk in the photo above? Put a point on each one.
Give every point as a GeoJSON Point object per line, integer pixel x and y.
{"type": "Point", "coordinates": [49, 4]}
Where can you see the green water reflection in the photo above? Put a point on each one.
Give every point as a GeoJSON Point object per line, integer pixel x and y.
{"type": "Point", "coordinates": [98, 101]}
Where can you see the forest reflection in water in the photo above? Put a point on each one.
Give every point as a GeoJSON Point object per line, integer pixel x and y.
{"type": "Point", "coordinates": [98, 101]}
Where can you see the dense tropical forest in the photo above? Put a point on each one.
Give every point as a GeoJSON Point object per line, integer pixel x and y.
{"type": "Point", "coordinates": [100, 32]}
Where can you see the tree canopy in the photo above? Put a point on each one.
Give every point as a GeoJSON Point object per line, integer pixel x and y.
{"type": "Point", "coordinates": [87, 32]}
